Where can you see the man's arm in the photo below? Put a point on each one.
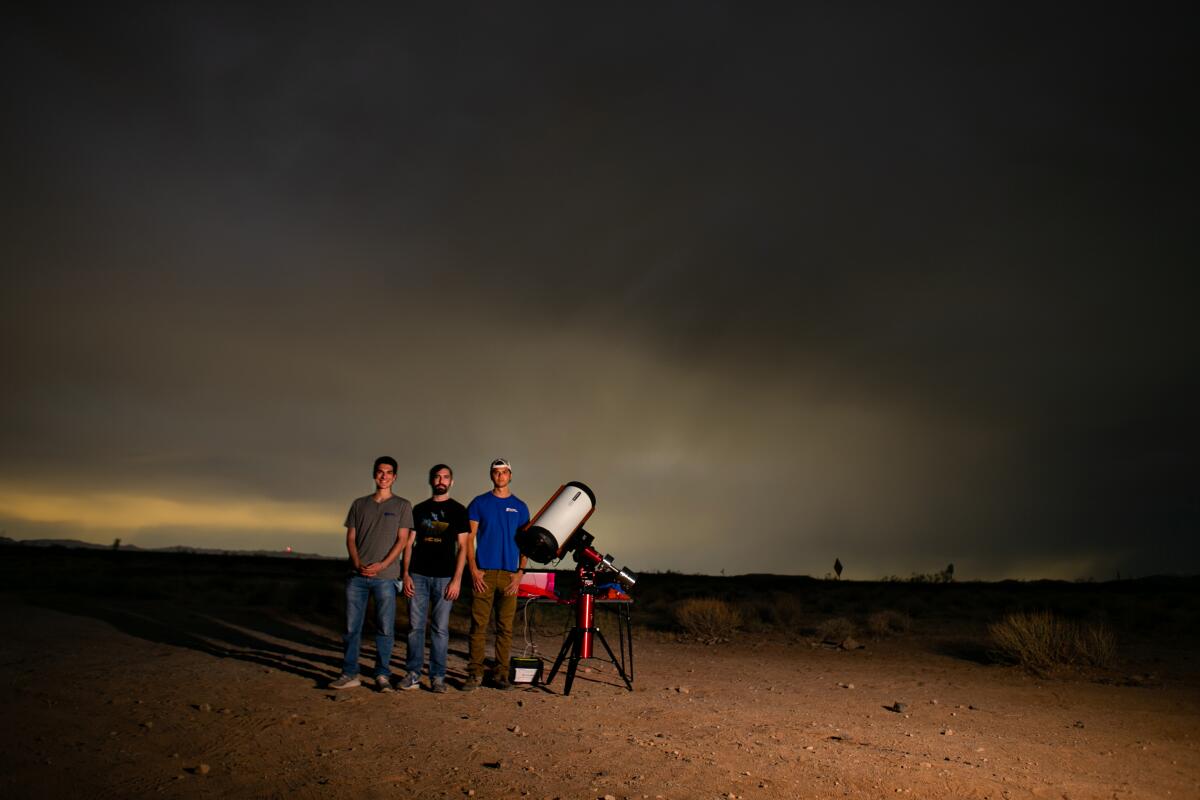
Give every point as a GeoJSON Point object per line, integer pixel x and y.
{"type": "Point", "coordinates": [515, 582]}
{"type": "Point", "coordinates": [409, 588]}
{"type": "Point", "coordinates": [402, 535]}
{"type": "Point", "coordinates": [452, 589]}
{"type": "Point", "coordinates": [476, 573]}
{"type": "Point", "coordinates": [352, 549]}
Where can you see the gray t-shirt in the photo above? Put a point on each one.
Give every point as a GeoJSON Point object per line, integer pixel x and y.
{"type": "Point", "coordinates": [375, 526]}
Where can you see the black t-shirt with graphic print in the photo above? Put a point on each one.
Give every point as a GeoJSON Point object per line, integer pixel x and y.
{"type": "Point", "coordinates": [437, 526]}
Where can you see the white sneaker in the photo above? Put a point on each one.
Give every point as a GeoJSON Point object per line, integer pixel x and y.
{"type": "Point", "coordinates": [411, 681]}
{"type": "Point", "coordinates": [346, 682]}
{"type": "Point", "coordinates": [384, 683]}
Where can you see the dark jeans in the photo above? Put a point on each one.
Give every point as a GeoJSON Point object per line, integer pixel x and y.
{"type": "Point", "coordinates": [358, 588]}
{"type": "Point", "coordinates": [428, 591]}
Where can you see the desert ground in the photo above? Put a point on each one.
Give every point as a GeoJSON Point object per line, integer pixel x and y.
{"type": "Point", "coordinates": [129, 675]}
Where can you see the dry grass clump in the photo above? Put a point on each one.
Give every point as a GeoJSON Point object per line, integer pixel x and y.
{"type": "Point", "coordinates": [888, 623]}
{"type": "Point", "coordinates": [708, 619]}
{"type": "Point", "coordinates": [779, 612]}
{"type": "Point", "coordinates": [786, 611]}
{"type": "Point", "coordinates": [1096, 645]}
{"type": "Point", "coordinates": [835, 630]}
{"type": "Point", "coordinates": [1041, 641]}
{"type": "Point", "coordinates": [1036, 641]}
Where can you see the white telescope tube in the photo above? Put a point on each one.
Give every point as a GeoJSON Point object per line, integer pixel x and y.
{"type": "Point", "coordinates": [543, 539]}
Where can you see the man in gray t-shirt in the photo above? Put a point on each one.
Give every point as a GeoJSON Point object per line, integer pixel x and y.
{"type": "Point", "coordinates": [377, 529]}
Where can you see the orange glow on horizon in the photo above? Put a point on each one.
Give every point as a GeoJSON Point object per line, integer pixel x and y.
{"type": "Point", "coordinates": [118, 511]}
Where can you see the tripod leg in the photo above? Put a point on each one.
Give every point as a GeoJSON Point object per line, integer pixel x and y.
{"type": "Point", "coordinates": [613, 658]}
{"type": "Point", "coordinates": [625, 635]}
{"type": "Point", "coordinates": [566, 647]}
{"type": "Point", "coordinates": [572, 665]}
{"type": "Point", "coordinates": [629, 635]}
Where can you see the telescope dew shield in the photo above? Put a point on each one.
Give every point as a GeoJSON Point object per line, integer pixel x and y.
{"type": "Point", "coordinates": [546, 535]}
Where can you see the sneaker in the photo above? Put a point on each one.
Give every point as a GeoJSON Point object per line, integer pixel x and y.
{"type": "Point", "coordinates": [439, 685]}
{"type": "Point", "coordinates": [346, 682]}
{"type": "Point", "coordinates": [411, 681]}
{"type": "Point", "coordinates": [383, 682]}
{"type": "Point", "coordinates": [471, 683]}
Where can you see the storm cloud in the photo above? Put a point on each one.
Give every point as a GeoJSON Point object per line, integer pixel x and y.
{"type": "Point", "coordinates": [903, 287]}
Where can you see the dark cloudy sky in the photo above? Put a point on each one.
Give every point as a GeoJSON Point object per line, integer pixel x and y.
{"type": "Point", "coordinates": [901, 286]}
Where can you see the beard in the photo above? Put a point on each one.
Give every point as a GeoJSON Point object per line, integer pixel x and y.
{"type": "Point", "coordinates": [438, 491]}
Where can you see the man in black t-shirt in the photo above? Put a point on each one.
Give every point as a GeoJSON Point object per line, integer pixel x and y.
{"type": "Point", "coordinates": [433, 567]}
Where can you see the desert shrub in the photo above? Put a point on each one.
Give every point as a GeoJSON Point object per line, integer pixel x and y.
{"type": "Point", "coordinates": [708, 618]}
{"type": "Point", "coordinates": [835, 630]}
{"type": "Point", "coordinates": [786, 611]}
{"type": "Point", "coordinates": [1040, 641]}
{"type": "Point", "coordinates": [1037, 641]}
{"type": "Point", "coordinates": [756, 614]}
{"type": "Point", "coordinates": [1096, 644]}
{"type": "Point", "coordinates": [888, 623]}
{"type": "Point", "coordinates": [918, 607]}
{"type": "Point", "coordinates": [779, 611]}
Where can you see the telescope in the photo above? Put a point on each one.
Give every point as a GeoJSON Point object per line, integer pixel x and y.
{"type": "Point", "coordinates": [557, 529]}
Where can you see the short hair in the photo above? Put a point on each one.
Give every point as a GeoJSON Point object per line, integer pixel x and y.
{"type": "Point", "coordinates": [391, 462]}
{"type": "Point", "coordinates": [437, 468]}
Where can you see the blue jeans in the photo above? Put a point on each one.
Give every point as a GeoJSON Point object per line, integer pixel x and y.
{"type": "Point", "coordinates": [358, 588]}
{"type": "Point", "coordinates": [428, 590]}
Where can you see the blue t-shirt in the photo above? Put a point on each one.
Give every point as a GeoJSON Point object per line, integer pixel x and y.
{"type": "Point", "coordinates": [498, 518]}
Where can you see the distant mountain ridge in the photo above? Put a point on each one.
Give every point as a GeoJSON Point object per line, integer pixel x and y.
{"type": "Point", "coordinates": [75, 544]}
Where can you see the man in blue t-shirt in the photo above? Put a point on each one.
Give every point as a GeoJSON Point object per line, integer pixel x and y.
{"type": "Point", "coordinates": [496, 568]}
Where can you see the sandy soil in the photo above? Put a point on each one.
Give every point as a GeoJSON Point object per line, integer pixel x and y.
{"type": "Point", "coordinates": [112, 701]}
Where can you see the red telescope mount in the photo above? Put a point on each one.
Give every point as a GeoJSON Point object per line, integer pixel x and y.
{"type": "Point", "coordinates": [578, 644]}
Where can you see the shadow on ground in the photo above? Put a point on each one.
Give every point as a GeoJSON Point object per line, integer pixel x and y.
{"type": "Point", "coordinates": [977, 652]}
{"type": "Point", "coordinates": [261, 638]}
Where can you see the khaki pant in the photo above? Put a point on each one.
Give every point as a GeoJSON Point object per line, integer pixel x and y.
{"type": "Point", "coordinates": [496, 580]}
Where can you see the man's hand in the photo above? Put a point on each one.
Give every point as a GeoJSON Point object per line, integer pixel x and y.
{"type": "Point", "coordinates": [452, 590]}
{"type": "Point", "coordinates": [370, 570]}
{"type": "Point", "coordinates": [477, 581]}
{"type": "Point", "coordinates": [513, 584]}
{"type": "Point", "coordinates": [409, 588]}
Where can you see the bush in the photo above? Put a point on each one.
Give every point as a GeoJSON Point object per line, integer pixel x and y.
{"type": "Point", "coordinates": [780, 611]}
{"type": "Point", "coordinates": [786, 611]}
{"type": "Point", "coordinates": [755, 614]}
{"type": "Point", "coordinates": [888, 623]}
{"type": "Point", "coordinates": [835, 630]}
{"type": "Point", "coordinates": [1096, 644]}
{"type": "Point", "coordinates": [708, 619]}
{"type": "Point", "coordinates": [1041, 641]}
{"type": "Point", "coordinates": [1035, 641]}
